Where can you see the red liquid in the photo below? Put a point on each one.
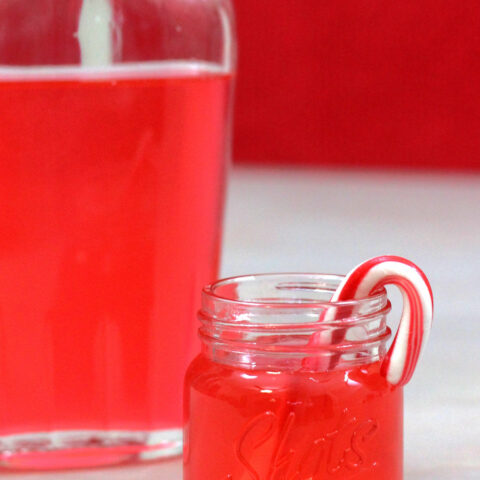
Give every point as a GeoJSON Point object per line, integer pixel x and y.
{"type": "Point", "coordinates": [110, 205]}
{"type": "Point", "coordinates": [278, 425]}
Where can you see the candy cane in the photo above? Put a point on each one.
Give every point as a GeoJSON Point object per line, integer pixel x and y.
{"type": "Point", "coordinates": [417, 314]}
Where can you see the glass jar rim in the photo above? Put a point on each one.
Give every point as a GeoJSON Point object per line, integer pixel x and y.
{"type": "Point", "coordinates": [210, 291]}
{"type": "Point", "coordinates": [284, 317]}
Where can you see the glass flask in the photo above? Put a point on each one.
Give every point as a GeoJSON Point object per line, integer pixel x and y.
{"type": "Point", "coordinates": [114, 138]}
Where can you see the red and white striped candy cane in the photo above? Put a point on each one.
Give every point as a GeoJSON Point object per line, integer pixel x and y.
{"type": "Point", "coordinates": [416, 320]}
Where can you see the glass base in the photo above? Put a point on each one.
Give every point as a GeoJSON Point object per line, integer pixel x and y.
{"type": "Point", "coordinates": [88, 448]}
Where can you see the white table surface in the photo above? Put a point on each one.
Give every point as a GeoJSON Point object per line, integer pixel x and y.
{"type": "Point", "coordinates": [328, 221]}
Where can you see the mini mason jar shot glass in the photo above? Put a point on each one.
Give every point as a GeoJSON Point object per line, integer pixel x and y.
{"type": "Point", "coordinates": [295, 380]}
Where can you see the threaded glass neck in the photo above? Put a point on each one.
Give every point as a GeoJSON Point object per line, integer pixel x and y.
{"type": "Point", "coordinates": [287, 321]}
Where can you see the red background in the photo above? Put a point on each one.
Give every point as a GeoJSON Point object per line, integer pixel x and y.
{"type": "Point", "coordinates": [361, 83]}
